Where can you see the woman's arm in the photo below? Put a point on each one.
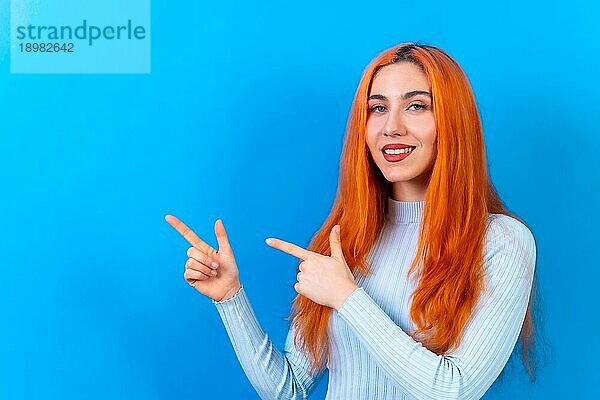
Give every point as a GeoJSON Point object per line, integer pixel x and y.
{"type": "Point", "coordinates": [488, 339]}
{"type": "Point", "coordinates": [274, 374]}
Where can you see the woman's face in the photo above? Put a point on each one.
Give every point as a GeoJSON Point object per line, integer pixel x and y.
{"type": "Point", "coordinates": [400, 111]}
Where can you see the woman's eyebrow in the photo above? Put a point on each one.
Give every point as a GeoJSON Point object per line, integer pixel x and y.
{"type": "Point", "coordinates": [406, 95]}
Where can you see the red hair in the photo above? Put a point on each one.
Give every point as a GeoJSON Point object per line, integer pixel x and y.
{"type": "Point", "coordinates": [459, 197]}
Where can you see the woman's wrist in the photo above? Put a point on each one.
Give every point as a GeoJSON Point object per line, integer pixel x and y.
{"type": "Point", "coordinates": [344, 295]}
{"type": "Point", "coordinates": [231, 292]}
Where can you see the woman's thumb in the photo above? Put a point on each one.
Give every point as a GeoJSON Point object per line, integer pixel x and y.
{"type": "Point", "coordinates": [222, 238]}
{"type": "Point", "coordinates": [336, 244]}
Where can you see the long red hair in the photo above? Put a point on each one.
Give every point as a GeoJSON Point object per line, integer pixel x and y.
{"type": "Point", "coordinates": [459, 197]}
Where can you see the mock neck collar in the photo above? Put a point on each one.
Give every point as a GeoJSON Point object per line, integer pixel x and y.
{"type": "Point", "coordinates": [404, 211]}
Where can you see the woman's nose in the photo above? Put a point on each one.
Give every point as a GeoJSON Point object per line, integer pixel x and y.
{"type": "Point", "coordinates": [393, 125]}
{"type": "Point", "coordinates": [395, 133]}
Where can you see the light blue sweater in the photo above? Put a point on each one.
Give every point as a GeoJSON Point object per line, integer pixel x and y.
{"type": "Point", "coordinates": [372, 356]}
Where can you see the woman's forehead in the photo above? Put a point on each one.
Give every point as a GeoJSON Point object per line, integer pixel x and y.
{"type": "Point", "coordinates": [399, 78]}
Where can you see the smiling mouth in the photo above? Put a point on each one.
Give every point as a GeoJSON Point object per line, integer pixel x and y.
{"type": "Point", "coordinates": [404, 150]}
{"type": "Point", "coordinates": [396, 155]}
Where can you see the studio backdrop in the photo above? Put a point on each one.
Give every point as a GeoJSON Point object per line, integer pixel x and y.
{"type": "Point", "coordinates": [237, 110]}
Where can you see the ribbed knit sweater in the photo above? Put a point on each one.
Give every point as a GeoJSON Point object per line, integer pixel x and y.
{"type": "Point", "coordinates": [371, 354]}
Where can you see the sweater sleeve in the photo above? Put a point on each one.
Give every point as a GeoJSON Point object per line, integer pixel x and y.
{"type": "Point", "coordinates": [274, 374]}
{"type": "Point", "coordinates": [488, 338]}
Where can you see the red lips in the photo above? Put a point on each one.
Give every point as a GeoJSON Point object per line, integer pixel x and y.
{"type": "Point", "coordinates": [396, 146]}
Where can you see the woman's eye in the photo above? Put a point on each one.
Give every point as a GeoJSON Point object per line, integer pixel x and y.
{"type": "Point", "coordinates": [420, 106]}
{"type": "Point", "coordinates": [377, 108]}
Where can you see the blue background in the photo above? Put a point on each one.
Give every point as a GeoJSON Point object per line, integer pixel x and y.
{"type": "Point", "coordinates": [242, 118]}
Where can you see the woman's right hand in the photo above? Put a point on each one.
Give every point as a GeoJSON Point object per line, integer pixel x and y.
{"type": "Point", "coordinates": [217, 282]}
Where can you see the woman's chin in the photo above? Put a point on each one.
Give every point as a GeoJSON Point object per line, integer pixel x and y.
{"type": "Point", "coordinates": [399, 177]}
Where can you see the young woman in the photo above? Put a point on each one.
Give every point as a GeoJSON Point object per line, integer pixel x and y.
{"type": "Point", "coordinates": [418, 283]}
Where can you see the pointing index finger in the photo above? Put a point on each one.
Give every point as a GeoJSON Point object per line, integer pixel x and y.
{"type": "Point", "coordinates": [188, 234]}
{"type": "Point", "coordinates": [289, 248]}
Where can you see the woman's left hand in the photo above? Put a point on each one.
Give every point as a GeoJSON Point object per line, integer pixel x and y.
{"type": "Point", "coordinates": [326, 280]}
